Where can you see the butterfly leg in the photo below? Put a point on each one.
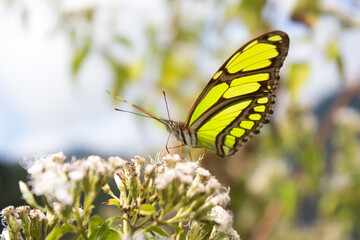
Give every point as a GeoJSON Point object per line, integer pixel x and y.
{"type": "Point", "coordinates": [202, 155]}
{"type": "Point", "coordinates": [178, 146]}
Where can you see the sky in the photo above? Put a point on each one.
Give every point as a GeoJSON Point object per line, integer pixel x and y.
{"type": "Point", "coordinates": [43, 110]}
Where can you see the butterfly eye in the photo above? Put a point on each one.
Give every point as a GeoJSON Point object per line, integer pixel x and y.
{"type": "Point", "coordinates": [172, 124]}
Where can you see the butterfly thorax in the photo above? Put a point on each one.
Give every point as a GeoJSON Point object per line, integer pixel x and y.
{"type": "Point", "coordinates": [181, 133]}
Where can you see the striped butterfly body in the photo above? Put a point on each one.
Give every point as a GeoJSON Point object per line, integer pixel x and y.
{"type": "Point", "coordinates": [237, 101]}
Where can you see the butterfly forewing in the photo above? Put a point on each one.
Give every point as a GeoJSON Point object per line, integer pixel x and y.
{"type": "Point", "coordinates": [238, 99]}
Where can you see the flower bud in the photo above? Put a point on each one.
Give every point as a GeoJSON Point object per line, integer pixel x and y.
{"type": "Point", "coordinates": [27, 194]}
{"type": "Point", "coordinates": [11, 218]}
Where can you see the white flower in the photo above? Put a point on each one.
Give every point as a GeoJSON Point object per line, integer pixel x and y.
{"type": "Point", "coordinates": [117, 162]}
{"type": "Point", "coordinates": [149, 168]}
{"type": "Point", "coordinates": [171, 158]}
{"type": "Point", "coordinates": [53, 185]}
{"type": "Point", "coordinates": [203, 172]}
{"type": "Point", "coordinates": [48, 179]}
{"type": "Point", "coordinates": [10, 210]}
{"type": "Point", "coordinates": [161, 168]}
{"type": "Point", "coordinates": [185, 172]}
{"type": "Point", "coordinates": [187, 179]}
{"type": "Point", "coordinates": [81, 211]}
{"type": "Point", "coordinates": [233, 235]}
{"type": "Point", "coordinates": [97, 164]}
{"type": "Point", "coordinates": [158, 159]}
{"type": "Point", "coordinates": [55, 180]}
{"type": "Point", "coordinates": [57, 208]}
{"type": "Point", "coordinates": [52, 161]}
{"type": "Point", "coordinates": [163, 180]}
{"type": "Point", "coordinates": [220, 198]}
{"type": "Point", "coordinates": [138, 160]}
{"type": "Point", "coordinates": [213, 185]}
{"type": "Point", "coordinates": [221, 217]}
{"type": "Point", "coordinates": [5, 234]}
{"type": "Point", "coordinates": [37, 214]}
{"type": "Point", "coordinates": [37, 167]}
{"type": "Point", "coordinates": [186, 168]}
{"type": "Point", "coordinates": [200, 188]}
{"type": "Point", "coordinates": [77, 175]}
{"type": "Point", "coordinates": [57, 157]}
{"type": "Point", "coordinates": [22, 209]}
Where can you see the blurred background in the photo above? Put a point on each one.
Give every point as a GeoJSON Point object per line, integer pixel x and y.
{"type": "Point", "coordinates": [298, 179]}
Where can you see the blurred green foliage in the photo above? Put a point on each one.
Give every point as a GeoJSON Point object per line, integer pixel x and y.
{"type": "Point", "coordinates": [251, 11]}
{"type": "Point", "coordinates": [297, 179]}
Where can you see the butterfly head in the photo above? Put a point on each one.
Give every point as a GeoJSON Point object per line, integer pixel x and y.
{"type": "Point", "coordinates": [180, 132]}
{"type": "Point", "coordinates": [172, 126]}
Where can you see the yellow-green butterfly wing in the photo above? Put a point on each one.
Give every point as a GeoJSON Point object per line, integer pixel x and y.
{"type": "Point", "coordinates": [239, 98]}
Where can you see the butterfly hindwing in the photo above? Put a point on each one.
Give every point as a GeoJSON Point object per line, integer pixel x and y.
{"type": "Point", "coordinates": [238, 99]}
{"type": "Point", "coordinates": [245, 125]}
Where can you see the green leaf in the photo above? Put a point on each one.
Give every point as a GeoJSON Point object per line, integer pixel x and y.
{"type": "Point", "coordinates": [120, 73]}
{"type": "Point", "coordinates": [103, 231]}
{"type": "Point", "coordinates": [112, 201]}
{"type": "Point", "coordinates": [178, 230]}
{"type": "Point", "coordinates": [110, 220]}
{"type": "Point", "coordinates": [119, 228]}
{"type": "Point", "coordinates": [251, 12]}
{"type": "Point", "coordinates": [99, 232]}
{"type": "Point", "coordinates": [134, 212]}
{"type": "Point", "coordinates": [148, 236]}
{"type": "Point", "coordinates": [333, 52]}
{"type": "Point", "coordinates": [95, 221]}
{"type": "Point", "coordinates": [146, 209]}
{"type": "Point", "coordinates": [307, 11]}
{"type": "Point", "coordinates": [58, 232]}
{"type": "Point", "coordinates": [79, 56]}
{"type": "Point", "coordinates": [298, 76]}
{"type": "Point", "coordinates": [159, 231]}
{"type": "Point", "coordinates": [135, 70]}
{"type": "Point", "coordinates": [288, 198]}
{"type": "Point", "coordinates": [111, 234]}
{"type": "Point", "coordinates": [123, 40]}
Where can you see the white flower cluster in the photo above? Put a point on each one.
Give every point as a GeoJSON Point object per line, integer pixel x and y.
{"type": "Point", "coordinates": [165, 192]}
{"type": "Point", "coordinates": [222, 217]}
{"type": "Point", "coordinates": [192, 185]}
{"type": "Point", "coordinates": [49, 180]}
{"type": "Point", "coordinates": [56, 179]}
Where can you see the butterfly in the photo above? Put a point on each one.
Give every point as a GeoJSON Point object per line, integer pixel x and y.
{"type": "Point", "coordinates": [237, 101]}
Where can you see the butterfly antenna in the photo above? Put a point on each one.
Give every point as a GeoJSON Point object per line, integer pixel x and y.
{"type": "Point", "coordinates": [167, 106]}
{"type": "Point", "coordinates": [138, 108]}
{"type": "Point", "coordinates": [138, 114]}
{"type": "Point", "coordinates": [168, 113]}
